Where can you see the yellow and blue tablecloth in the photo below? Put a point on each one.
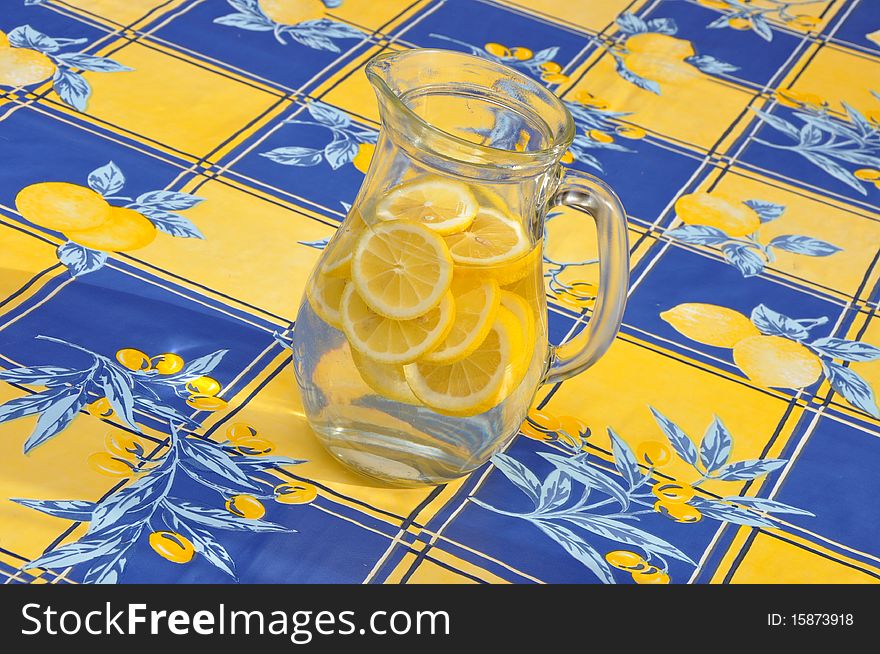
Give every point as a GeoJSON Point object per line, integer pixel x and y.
{"type": "Point", "coordinates": [150, 426]}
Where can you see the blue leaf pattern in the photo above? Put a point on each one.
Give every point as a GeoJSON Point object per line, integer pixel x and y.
{"type": "Point", "coordinates": [680, 442]}
{"type": "Point", "coordinates": [107, 180]}
{"type": "Point", "coordinates": [745, 258]}
{"type": "Point", "coordinates": [773, 323]}
{"type": "Point", "coordinates": [715, 447]}
{"type": "Point", "coordinates": [519, 475]}
{"type": "Point", "coordinates": [79, 259]}
{"type": "Point", "coordinates": [839, 348]}
{"type": "Point", "coordinates": [813, 247]}
{"type": "Point", "coordinates": [745, 470]}
{"type": "Point", "coordinates": [78, 510]}
{"type": "Point", "coordinates": [854, 389]}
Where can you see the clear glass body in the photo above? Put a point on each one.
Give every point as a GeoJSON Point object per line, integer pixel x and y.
{"type": "Point", "coordinates": [462, 121]}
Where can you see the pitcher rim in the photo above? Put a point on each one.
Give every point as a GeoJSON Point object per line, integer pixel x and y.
{"type": "Point", "coordinates": [560, 141]}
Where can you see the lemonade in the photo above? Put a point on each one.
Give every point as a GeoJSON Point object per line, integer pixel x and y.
{"type": "Point", "coordinates": [422, 334]}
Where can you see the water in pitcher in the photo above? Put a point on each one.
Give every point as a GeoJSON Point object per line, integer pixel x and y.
{"type": "Point", "coordinates": [422, 335]}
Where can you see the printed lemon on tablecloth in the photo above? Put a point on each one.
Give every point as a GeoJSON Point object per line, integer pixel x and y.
{"type": "Point", "coordinates": [660, 57]}
{"type": "Point", "coordinates": [291, 12]}
{"type": "Point", "coordinates": [710, 324]}
{"type": "Point", "coordinates": [23, 67]}
{"type": "Point", "coordinates": [717, 210]}
{"type": "Point", "coordinates": [124, 230]}
{"type": "Point", "coordinates": [62, 206]}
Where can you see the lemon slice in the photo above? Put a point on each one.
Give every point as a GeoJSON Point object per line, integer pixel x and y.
{"type": "Point", "coordinates": [493, 238]}
{"type": "Point", "coordinates": [475, 305]}
{"type": "Point", "coordinates": [401, 270]}
{"type": "Point", "coordinates": [337, 261]}
{"type": "Point", "coordinates": [472, 385]}
{"type": "Point", "coordinates": [393, 341]}
{"type": "Point", "coordinates": [525, 318]}
{"type": "Point", "coordinates": [444, 206]}
{"type": "Point", "coordinates": [325, 294]}
{"type": "Point", "coordinates": [387, 379]}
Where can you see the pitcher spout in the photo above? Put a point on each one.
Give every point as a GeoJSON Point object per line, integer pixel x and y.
{"type": "Point", "coordinates": [443, 106]}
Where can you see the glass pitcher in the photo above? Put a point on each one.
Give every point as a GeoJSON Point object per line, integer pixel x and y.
{"type": "Point", "coordinates": [421, 339]}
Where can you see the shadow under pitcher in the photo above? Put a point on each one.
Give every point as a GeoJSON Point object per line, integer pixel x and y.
{"type": "Point", "coordinates": [421, 339]}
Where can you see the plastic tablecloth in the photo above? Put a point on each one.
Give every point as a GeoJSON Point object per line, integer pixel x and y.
{"type": "Point", "coordinates": [150, 426]}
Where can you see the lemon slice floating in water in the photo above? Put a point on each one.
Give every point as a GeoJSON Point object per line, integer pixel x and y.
{"type": "Point", "coordinates": [325, 296]}
{"type": "Point", "coordinates": [387, 379]}
{"type": "Point", "coordinates": [401, 270]}
{"type": "Point", "coordinates": [394, 341]}
{"type": "Point", "coordinates": [525, 318]}
{"type": "Point", "coordinates": [493, 238]}
{"type": "Point", "coordinates": [472, 385]}
{"type": "Point", "coordinates": [444, 206]}
{"type": "Point", "coordinates": [475, 305]}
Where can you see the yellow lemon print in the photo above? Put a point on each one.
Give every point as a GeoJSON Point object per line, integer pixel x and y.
{"type": "Point", "coordinates": [254, 446]}
{"type": "Point", "coordinates": [600, 137]}
{"type": "Point", "coordinates": [554, 78]}
{"type": "Point", "coordinates": [206, 403]}
{"type": "Point", "coordinates": [661, 45]}
{"type": "Point", "coordinates": [291, 12]}
{"type": "Point", "coordinates": [868, 174]}
{"type": "Point", "coordinates": [167, 363]}
{"type": "Point", "coordinates": [124, 230]}
{"type": "Point", "coordinates": [172, 546]}
{"type": "Point", "coordinates": [653, 453]}
{"type": "Point", "coordinates": [239, 430]}
{"type": "Point", "coordinates": [122, 444]}
{"type": "Point", "coordinates": [659, 57]}
{"type": "Point", "coordinates": [798, 99]}
{"type": "Point", "coordinates": [23, 67]}
{"type": "Point", "coordinates": [297, 492]}
{"type": "Point", "coordinates": [100, 408]}
{"type": "Point", "coordinates": [626, 560]}
{"type": "Point", "coordinates": [804, 22]}
{"type": "Point", "coordinates": [246, 506]}
{"type": "Point", "coordinates": [203, 386]}
{"type": "Point", "coordinates": [523, 54]}
{"type": "Point", "coordinates": [673, 492]}
{"type": "Point", "coordinates": [716, 210]}
{"type": "Point", "coordinates": [652, 575]}
{"type": "Point", "coordinates": [62, 206]}
{"type": "Point", "coordinates": [777, 362]}
{"type": "Point", "coordinates": [568, 157]}
{"type": "Point", "coordinates": [574, 427]}
{"type": "Point", "coordinates": [739, 23]}
{"type": "Point", "coordinates": [589, 100]}
{"type": "Point", "coordinates": [530, 431]}
{"type": "Point", "coordinates": [710, 324]}
{"type": "Point", "coordinates": [133, 359]}
{"type": "Point", "coordinates": [714, 4]}
{"type": "Point", "coordinates": [631, 132]}
{"type": "Point", "coordinates": [364, 156]}
{"type": "Point", "coordinates": [551, 67]}
{"type": "Point", "coordinates": [496, 49]}
{"type": "Point", "coordinates": [678, 511]}
{"type": "Point", "coordinates": [544, 420]}
{"type": "Point", "coordinates": [109, 465]}
{"type": "Point", "coordinates": [4, 41]}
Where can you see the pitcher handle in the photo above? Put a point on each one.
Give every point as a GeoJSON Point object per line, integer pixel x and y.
{"type": "Point", "coordinates": [594, 197]}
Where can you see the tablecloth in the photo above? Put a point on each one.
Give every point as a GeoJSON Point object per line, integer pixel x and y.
{"type": "Point", "coordinates": [150, 426]}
